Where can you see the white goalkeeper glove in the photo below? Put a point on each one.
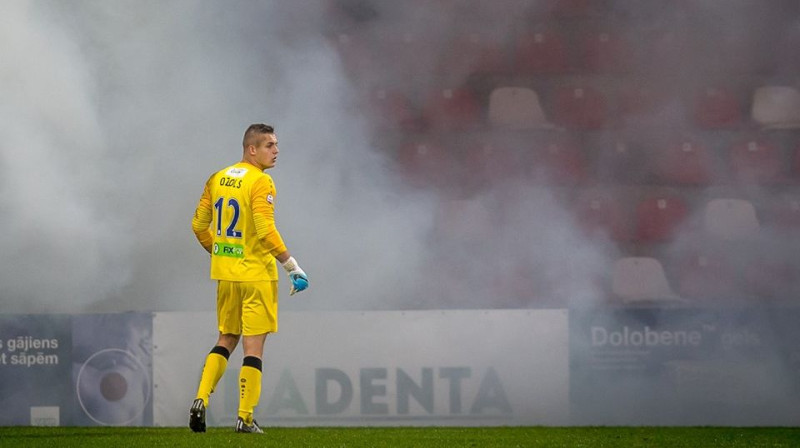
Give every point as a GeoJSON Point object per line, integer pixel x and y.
{"type": "Point", "coordinates": [296, 275]}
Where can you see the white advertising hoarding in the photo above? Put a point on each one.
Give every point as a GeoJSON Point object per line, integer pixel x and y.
{"type": "Point", "coordinates": [460, 367]}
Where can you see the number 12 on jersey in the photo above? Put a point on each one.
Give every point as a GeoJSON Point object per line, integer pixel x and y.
{"type": "Point", "coordinates": [230, 231]}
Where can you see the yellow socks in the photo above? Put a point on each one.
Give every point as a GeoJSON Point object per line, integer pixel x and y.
{"type": "Point", "coordinates": [215, 365]}
{"type": "Point", "coordinates": [249, 387]}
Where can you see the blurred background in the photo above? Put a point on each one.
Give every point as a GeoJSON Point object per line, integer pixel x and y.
{"type": "Point", "coordinates": [590, 152]}
{"type": "Point", "coordinates": [608, 190]}
{"type": "Point", "coordinates": [435, 154]}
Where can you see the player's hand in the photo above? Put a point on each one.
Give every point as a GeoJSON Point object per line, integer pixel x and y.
{"type": "Point", "coordinates": [296, 275]}
{"type": "Point", "coordinates": [299, 281]}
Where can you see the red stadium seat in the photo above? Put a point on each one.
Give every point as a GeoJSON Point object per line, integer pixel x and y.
{"type": "Point", "coordinates": [605, 52]}
{"type": "Point", "coordinates": [570, 8]}
{"type": "Point", "coordinates": [670, 51]}
{"type": "Point", "coordinates": [659, 217]}
{"type": "Point", "coordinates": [717, 107]}
{"type": "Point", "coordinates": [756, 161]}
{"type": "Point", "coordinates": [558, 163]}
{"type": "Point", "coordinates": [354, 52]}
{"type": "Point", "coordinates": [491, 162]}
{"type": "Point", "coordinates": [684, 163]}
{"type": "Point", "coordinates": [639, 100]}
{"type": "Point", "coordinates": [619, 161]}
{"type": "Point", "coordinates": [475, 53]}
{"type": "Point", "coordinates": [541, 52]}
{"type": "Point", "coordinates": [783, 214]}
{"type": "Point", "coordinates": [452, 109]}
{"type": "Point", "coordinates": [704, 273]}
{"type": "Point", "coordinates": [770, 276]}
{"type": "Point", "coordinates": [796, 163]}
{"type": "Point", "coordinates": [401, 57]}
{"type": "Point", "coordinates": [427, 163]}
{"type": "Point", "coordinates": [392, 109]}
{"type": "Point", "coordinates": [641, 279]}
{"type": "Point", "coordinates": [580, 107]}
{"type": "Point", "coordinates": [603, 214]}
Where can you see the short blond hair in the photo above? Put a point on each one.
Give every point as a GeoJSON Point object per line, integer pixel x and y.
{"type": "Point", "coordinates": [255, 132]}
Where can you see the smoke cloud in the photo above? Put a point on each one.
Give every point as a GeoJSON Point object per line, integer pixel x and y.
{"type": "Point", "coordinates": [113, 115]}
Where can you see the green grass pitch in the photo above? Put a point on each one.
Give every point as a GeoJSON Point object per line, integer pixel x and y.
{"type": "Point", "coordinates": [628, 437]}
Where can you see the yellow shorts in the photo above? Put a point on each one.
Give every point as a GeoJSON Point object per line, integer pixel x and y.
{"type": "Point", "coordinates": [247, 308]}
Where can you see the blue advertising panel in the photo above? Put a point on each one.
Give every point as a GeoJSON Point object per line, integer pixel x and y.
{"type": "Point", "coordinates": [112, 369]}
{"type": "Point", "coordinates": [80, 370]}
{"type": "Point", "coordinates": [682, 366]}
{"type": "Point", "coordinates": [35, 369]}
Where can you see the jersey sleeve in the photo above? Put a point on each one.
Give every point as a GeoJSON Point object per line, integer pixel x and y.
{"type": "Point", "coordinates": [263, 199]}
{"type": "Point", "coordinates": [201, 222]}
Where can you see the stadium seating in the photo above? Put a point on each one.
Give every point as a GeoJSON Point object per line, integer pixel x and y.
{"type": "Point", "coordinates": [354, 53]}
{"type": "Point", "coordinates": [570, 9]}
{"type": "Point", "coordinates": [717, 107]}
{"type": "Point", "coordinates": [491, 161]}
{"type": "Point", "coordinates": [427, 163]}
{"type": "Point", "coordinates": [730, 219]}
{"type": "Point", "coordinates": [641, 279]}
{"type": "Point", "coordinates": [464, 220]}
{"type": "Point", "coordinates": [704, 273]}
{"type": "Point", "coordinates": [756, 160]}
{"type": "Point", "coordinates": [630, 113]}
{"type": "Point", "coordinates": [619, 161]}
{"type": "Point", "coordinates": [776, 107]}
{"type": "Point", "coordinates": [580, 107]}
{"type": "Point", "coordinates": [602, 213]}
{"type": "Point", "coordinates": [391, 110]}
{"type": "Point", "coordinates": [605, 52]}
{"type": "Point", "coordinates": [540, 52]}
{"type": "Point", "coordinates": [452, 109]}
{"type": "Point", "coordinates": [403, 55]}
{"type": "Point", "coordinates": [559, 162]}
{"type": "Point", "coordinates": [668, 52]}
{"type": "Point", "coordinates": [659, 217]}
{"type": "Point", "coordinates": [783, 215]}
{"type": "Point", "coordinates": [684, 163]}
{"type": "Point", "coordinates": [475, 53]}
{"type": "Point", "coordinates": [770, 275]}
{"type": "Point", "coordinates": [516, 108]}
{"type": "Point", "coordinates": [640, 99]}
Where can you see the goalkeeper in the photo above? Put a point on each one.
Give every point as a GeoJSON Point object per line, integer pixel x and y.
{"type": "Point", "coordinates": [234, 221]}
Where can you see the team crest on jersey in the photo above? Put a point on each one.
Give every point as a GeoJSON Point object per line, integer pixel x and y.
{"type": "Point", "coordinates": [269, 198]}
{"type": "Point", "coordinates": [236, 172]}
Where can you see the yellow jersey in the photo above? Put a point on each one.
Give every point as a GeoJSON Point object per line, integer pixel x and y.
{"type": "Point", "coordinates": [235, 222]}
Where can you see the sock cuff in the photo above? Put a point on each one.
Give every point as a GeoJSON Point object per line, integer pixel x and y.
{"type": "Point", "coordinates": [222, 351]}
{"type": "Point", "coordinates": [252, 361]}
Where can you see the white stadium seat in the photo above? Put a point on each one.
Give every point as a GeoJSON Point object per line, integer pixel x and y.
{"type": "Point", "coordinates": [641, 279]}
{"type": "Point", "coordinates": [777, 107]}
{"type": "Point", "coordinates": [516, 108]}
{"type": "Point", "coordinates": [730, 219]}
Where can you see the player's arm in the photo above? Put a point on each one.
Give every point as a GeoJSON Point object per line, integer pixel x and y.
{"type": "Point", "coordinates": [201, 222]}
{"type": "Point", "coordinates": [263, 197]}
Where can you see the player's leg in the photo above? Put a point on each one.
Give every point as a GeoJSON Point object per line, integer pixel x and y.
{"type": "Point", "coordinates": [259, 318]}
{"type": "Point", "coordinates": [213, 369]}
{"type": "Point", "coordinates": [250, 379]}
{"type": "Point", "coordinates": [215, 365]}
{"type": "Point", "coordinates": [229, 322]}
